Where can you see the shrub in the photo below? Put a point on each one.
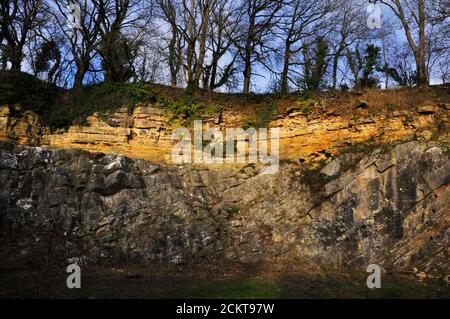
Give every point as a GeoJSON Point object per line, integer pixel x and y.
{"type": "Point", "coordinates": [101, 98]}
{"type": "Point", "coordinates": [262, 118]}
{"type": "Point", "coordinates": [58, 108]}
{"type": "Point", "coordinates": [306, 105]}
{"type": "Point", "coordinates": [186, 109]}
{"type": "Point", "coordinates": [28, 91]}
{"type": "Point", "coordinates": [314, 179]}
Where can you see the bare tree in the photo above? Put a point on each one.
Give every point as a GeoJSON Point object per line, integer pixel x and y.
{"type": "Point", "coordinates": [149, 60]}
{"type": "Point", "coordinates": [18, 19]}
{"type": "Point", "coordinates": [258, 22]}
{"type": "Point", "coordinates": [222, 43]}
{"type": "Point", "coordinates": [401, 65]}
{"type": "Point", "coordinates": [223, 31]}
{"type": "Point", "coordinates": [444, 69]}
{"type": "Point", "coordinates": [347, 28]}
{"type": "Point", "coordinates": [121, 27]}
{"type": "Point", "coordinates": [189, 21]}
{"type": "Point", "coordinates": [47, 50]}
{"type": "Point", "coordinates": [413, 14]}
{"type": "Point", "coordinates": [169, 12]}
{"type": "Point", "coordinates": [196, 18]}
{"type": "Point", "coordinates": [81, 36]}
{"type": "Point", "coordinates": [302, 20]}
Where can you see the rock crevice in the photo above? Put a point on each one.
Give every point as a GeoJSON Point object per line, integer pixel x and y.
{"type": "Point", "coordinates": [392, 207]}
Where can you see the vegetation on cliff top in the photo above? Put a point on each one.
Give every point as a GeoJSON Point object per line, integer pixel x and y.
{"type": "Point", "coordinates": [58, 108]}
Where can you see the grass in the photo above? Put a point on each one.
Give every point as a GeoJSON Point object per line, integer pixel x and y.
{"type": "Point", "coordinates": [267, 279]}
{"type": "Point", "coordinates": [242, 288]}
{"type": "Point", "coordinates": [101, 98]}
{"type": "Point", "coordinates": [24, 89]}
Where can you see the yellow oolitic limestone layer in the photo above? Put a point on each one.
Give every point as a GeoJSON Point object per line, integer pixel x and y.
{"type": "Point", "coordinates": [146, 132]}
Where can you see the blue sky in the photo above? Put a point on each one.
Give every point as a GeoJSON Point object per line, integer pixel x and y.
{"type": "Point", "coordinates": [260, 82]}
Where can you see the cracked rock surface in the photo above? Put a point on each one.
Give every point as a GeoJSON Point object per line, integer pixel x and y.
{"type": "Point", "coordinates": [391, 208]}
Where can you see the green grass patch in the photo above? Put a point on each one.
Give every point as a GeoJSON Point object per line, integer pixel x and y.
{"type": "Point", "coordinates": [245, 288]}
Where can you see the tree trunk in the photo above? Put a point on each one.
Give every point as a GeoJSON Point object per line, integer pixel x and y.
{"type": "Point", "coordinates": [202, 47]}
{"type": "Point", "coordinates": [386, 70]}
{"type": "Point", "coordinates": [285, 72]}
{"type": "Point", "coordinates": [212, 81]}
{"type": "Point", "coordinates": [16, 59]}
{"type": "Point", "coordinates": [15, 66]}
{"type": "Point", "coordinates": [78, 80]}
{"type": "Point", "coordinates": [173, 79]}
{"type": "Point", "coordinates": [422, 76]}
{"type": "Point", "coordinates": [190, 51]}
{"type": "Point", "coordinates": [336, 57]}
{"type": "Point", "coordinates": [247, 67]}
{"type": "Point", "coordinates": [335, 67]}
{"type": "Point", "coordinates": [79, 75]}
{"type": "Point", "coordinates": [248, 55]}
{"type": "Point", "coordinates": [51, 74]}
{"type": "Point", "coordinates": [418, 51]}
{"type": "Point", "coordinates": [247, 75]}
{"type": "Point", "coordinates": [173, 58]}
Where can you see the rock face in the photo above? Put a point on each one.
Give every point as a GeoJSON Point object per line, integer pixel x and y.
{"type": "Point", "coordinates": [146, 133]}
{"type": "Point", "coordinates": [392, 208]}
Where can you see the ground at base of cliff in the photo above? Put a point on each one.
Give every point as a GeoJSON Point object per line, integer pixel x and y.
{"type": "Point", "coordinates": [269, 279]}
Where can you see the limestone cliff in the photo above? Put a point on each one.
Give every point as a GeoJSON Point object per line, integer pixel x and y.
{"type": "Point", "coordinates": [392, 207]}
{"type": "Point", "coordinates": [146, 132]}
{"type": "Point", "coordinates": [107, 190]}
